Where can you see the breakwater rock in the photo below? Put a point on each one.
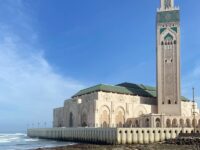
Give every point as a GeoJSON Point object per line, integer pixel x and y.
{"type": "Point", "coordinates": [185, 139]}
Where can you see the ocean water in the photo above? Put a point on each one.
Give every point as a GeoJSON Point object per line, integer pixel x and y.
{"type": "Point", "coordinates": [20, 141]}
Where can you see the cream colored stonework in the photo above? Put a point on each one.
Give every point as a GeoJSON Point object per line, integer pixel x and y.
{"type": "Point", "coordinates": [110, 135]}
{"type": "Point", "coordinates": [102, 109]}
{"type": "Point", "coordinates": [168, 64]}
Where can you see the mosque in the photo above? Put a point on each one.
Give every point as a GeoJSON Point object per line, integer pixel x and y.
{"type": "Point", "coordinates": [138, 105]}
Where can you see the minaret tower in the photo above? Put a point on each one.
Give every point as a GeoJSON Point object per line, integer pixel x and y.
{"type": "Point", "coordinates": [168, 59]}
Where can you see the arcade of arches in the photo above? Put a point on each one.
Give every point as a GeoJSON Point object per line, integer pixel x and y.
{"type": "Point", "coordinates": [146, 121]}
{"type": "Point", "coordinates": [168, 123]}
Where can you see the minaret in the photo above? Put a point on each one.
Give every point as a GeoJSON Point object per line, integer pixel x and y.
{"type": "Point", "coordinates": [168, 59]}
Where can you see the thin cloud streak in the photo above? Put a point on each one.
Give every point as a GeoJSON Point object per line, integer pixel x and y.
{"type": "Point", "coordinates": [29, 85]}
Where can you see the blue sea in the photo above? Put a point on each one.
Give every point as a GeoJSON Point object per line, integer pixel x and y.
{"type": "Point", "coordinates": [20, 141]}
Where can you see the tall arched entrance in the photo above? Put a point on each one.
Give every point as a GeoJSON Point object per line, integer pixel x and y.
{"type": "Point", "coordinates": [120, 117]}
{"type": "Point", "coordinates": [84, 122]}
{"type": "Point", "coordinates": [104, 117]}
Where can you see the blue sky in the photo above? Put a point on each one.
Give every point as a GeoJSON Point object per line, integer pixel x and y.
{"type": "Point", "coordinates": [50, 49]}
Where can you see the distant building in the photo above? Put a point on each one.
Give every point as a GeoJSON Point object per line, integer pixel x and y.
{"type": "Point", "coordinates": [132, 105]}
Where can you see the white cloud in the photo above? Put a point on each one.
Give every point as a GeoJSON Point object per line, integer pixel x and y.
{"type": "Point", "coordinates": [29, 86]}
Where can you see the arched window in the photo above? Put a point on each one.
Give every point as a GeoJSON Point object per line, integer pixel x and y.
{"type": "Point", "coordinates": [120, 117]}
{"type": "Point", "coordinates": [84, 120]}
{"type": "Point", "coordinates": [168, 40]}
{"type": "Point", "coordinates": [70, 119]}
{"type": "Point", "coordinates": [105, 118]}
{"type": "Point", "coordinates": [188, 123]}
{"type": "Point", "coordinates": [147, 122]}
{"type": "Point", "coordinates": [174, 123]}
{"type": "Point", "coordinates": [181, 123]}
{"type": "Point", "coordinates": [168, 123]}
{"type": "Point", "coordinates": [158, 122]}
{"type": "Point", "coordinates": [175, 42]}
{"type": "Point", "coordinates": [137, 123]}
{"type": "Point", "coordinates": [169, 101]}
{"type": "Point", "coordinates": [130, 123]}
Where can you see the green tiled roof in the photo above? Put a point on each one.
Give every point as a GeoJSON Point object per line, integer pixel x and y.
{"type": "Point", "coordinates": [123, 88]}
{"type": "Point", "coordinates": [105, 88]}
{"type": "Point", "coordinates": [168, 16]}
{"type": "Point", "coordinates": [184, 99]}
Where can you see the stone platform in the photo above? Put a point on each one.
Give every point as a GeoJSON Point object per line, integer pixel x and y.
{"type": "Point", "coordinates": [109, 135]}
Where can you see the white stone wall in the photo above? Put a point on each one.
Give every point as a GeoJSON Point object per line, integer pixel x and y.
{"type": "Point", "coordinates": [58, 117]}
{"type": "Point", "coordinates": [103, 109]}
{"type": "Point", "coordinates": [77, 112]}
{"type": "Point", "coordinates": [187, 109]}
{"type": "Point", "coordinates": [130, 106]}
{"type": "Point", "coordinates": [110, 135]}
{"type": "Point", "coordinates": [89, 108]}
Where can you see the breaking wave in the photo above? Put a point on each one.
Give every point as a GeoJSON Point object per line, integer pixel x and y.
{"type": "Point", "coordinates": [20, 141]}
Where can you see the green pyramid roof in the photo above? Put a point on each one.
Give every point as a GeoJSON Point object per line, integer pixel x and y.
{"type": "Point", "coordinates": [124, 88]}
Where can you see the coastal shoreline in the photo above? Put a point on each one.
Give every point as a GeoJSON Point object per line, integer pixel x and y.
{"type": "Point", "coordinates": [157, 146]}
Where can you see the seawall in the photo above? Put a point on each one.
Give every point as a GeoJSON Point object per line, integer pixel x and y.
{"type": "Point", "coordinates": [109, 135]}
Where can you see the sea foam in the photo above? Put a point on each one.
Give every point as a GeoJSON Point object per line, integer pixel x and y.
{"type": "Point", "coordinates": [20, 141]}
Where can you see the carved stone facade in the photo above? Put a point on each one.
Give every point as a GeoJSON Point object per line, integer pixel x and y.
{"type": "Point", "coordinates": [168, 60]}
{"type": "Point", "coordinates": [103, 109]}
